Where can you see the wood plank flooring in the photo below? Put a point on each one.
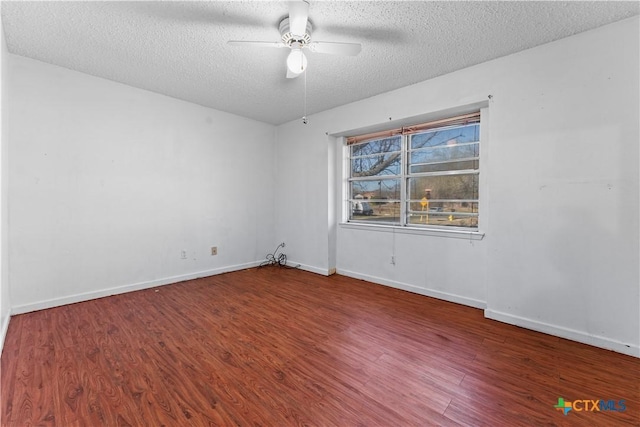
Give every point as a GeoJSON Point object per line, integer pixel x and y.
{"type": "Point", "coordinates": [282, 347]}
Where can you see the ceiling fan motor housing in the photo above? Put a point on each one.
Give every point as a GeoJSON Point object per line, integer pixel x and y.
{"type": "Point", "coordinates": [289, 38]}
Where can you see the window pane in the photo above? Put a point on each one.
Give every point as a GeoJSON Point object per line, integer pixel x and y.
{"type": "Point", "coordinates": [456, 187]}
{"type": "Point", "coordinates": [380, 212]}
{"type": "Point", "coordinates": [442, 219]}
{"type": "Point", "coordinates": [447, 137]}
{"type": "Point", "coordinates": [449, 152]}
{"type": "Point", "coordinates": [445, 167]}
{"type": "Point", "coordinates": [377, 189]}
{"type": "Point", "coordinates": [386, 164]}
{"type": "Point", "coordinates": [385, 145]}
{"type": "Point", "coordinates": [443, 207]}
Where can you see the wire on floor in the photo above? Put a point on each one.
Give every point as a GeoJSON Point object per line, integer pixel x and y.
{"type": "Point", "coordinates": [277, 259]}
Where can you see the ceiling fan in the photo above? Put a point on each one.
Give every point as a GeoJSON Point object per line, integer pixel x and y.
{"type": "Point", "coordinates": [295, 32]}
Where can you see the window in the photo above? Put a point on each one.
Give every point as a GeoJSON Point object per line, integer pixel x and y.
{"type": "Point", "coordinates": [424, 175]}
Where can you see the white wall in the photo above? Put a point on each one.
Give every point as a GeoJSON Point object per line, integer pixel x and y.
{"type": "Point", "coordinates": [110, 183]}
{"type": "Point", "coordinates": [5, 303]}
{"type": "Point", "coordinates": [564, 242]}
{"type": "Point", "coordinates": [559, 195]}
{"type": "Point", "coordinates": [302, 194]}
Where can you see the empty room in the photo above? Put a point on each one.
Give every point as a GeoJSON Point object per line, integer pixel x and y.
{"type": "Point", "coordinates": [320, 213]}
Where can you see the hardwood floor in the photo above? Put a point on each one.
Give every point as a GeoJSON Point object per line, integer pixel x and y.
{"type": "Point", "coordinates": [281, 347]}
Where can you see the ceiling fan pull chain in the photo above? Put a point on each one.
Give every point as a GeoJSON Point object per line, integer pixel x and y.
{"type": "Point", "coordinates": [304, 117]}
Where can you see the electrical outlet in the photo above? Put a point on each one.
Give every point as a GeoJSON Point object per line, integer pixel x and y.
{"type": "Point", "coordinates": [183, 254]}
{"type": "Point", "coordinates": [214, 250]}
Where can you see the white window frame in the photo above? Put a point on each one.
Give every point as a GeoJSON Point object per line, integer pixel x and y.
{"type": "Point", "coordinates": [403, 227]}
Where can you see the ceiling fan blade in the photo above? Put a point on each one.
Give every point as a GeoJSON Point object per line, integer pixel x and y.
{"type": "Point", "coordinates": [298, 15]}
{"type": "Point", "coordinates": [259, 44]}
{"type": "Point", "coordinates": [351, 49]}
{"type": "Point", "coordinates": [291, 74]}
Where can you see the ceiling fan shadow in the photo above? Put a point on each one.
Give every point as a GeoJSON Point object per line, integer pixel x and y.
{"type": "Point", "coordinates": [388, 35]}
{"type": "Point", "coordinates": [208, 13]}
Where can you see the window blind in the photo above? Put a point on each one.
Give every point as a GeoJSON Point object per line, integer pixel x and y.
{"type": "Point", "coordinates": [421, 127]}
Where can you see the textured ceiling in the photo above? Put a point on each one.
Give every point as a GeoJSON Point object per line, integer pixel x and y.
{"type": "Point", "coordinates": [179, 48]}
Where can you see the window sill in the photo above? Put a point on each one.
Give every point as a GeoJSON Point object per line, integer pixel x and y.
{"type": "Point", "coordinates": [436, 232]}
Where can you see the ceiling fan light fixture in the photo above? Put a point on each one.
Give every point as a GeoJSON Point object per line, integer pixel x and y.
{"type": "Point", "coordinates": [295, 33]}
{"type": "Point", "coordinates": [296, 61]}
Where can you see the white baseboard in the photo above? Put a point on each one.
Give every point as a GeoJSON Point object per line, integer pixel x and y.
{"type": "Point", "coordinates": [458, 299]}
{"type": "Point", "coordinates": [559, 331]}
{"type": "Point", "coordinates": [71, 299]}
{"type": "Point", "coordinates": [4, 327]}
{"type": "Point", "coordinates": [310, 268]}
